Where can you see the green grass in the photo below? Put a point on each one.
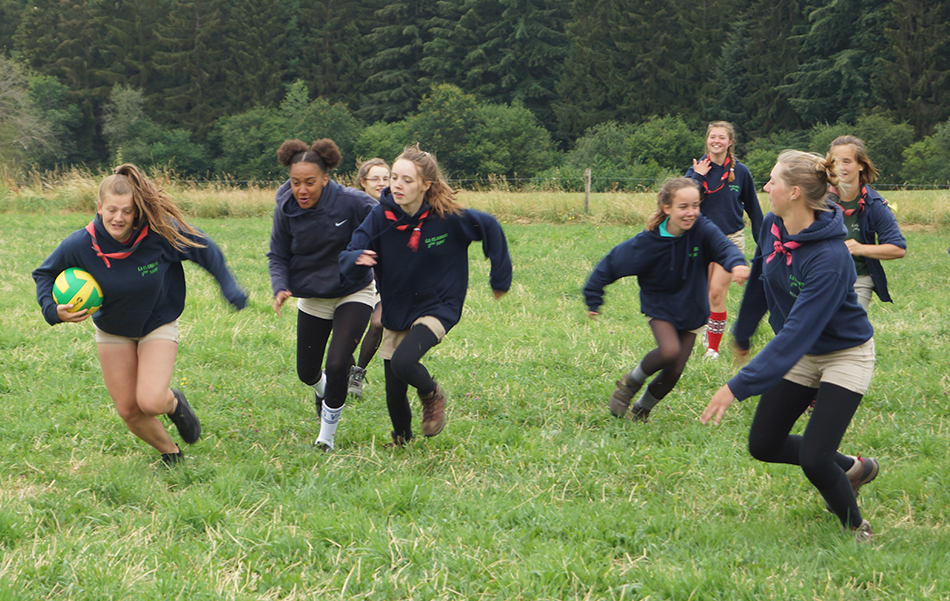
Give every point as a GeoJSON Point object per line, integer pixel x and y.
{"type": "Point", "coordinates": [532, 492]}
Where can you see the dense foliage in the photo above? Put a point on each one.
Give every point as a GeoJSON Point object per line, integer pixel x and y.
{"type": "Point", "coordinates": [505, 87]}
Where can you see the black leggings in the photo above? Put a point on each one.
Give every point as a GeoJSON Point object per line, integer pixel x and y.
{"type": "Point", "coordinates": [404, 370]}
{"type": "Point", "coordinates": [349, 321]}
{"type": "Point", "coordinates": [372, 337]}
{"type": "Point", "coordinates": [673, 348]}
{"type": "Point", "coordinates": [816, 450]}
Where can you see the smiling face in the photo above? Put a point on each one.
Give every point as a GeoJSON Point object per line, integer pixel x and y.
{"type": "Point", "coordinates": [847, 167]}
{"type": "Point", "coordinates": [407, 187]}
{"type": "Point", "coordinates": [718, 143]}
{"type": "Point", "coordinates": [307, 182]}
{"type": "Point", "coordinates": [375, 181]}
{"type": "Point", "coordinates": [118, 214]}
{"type": "Point", "coordinates": [780, 193]}
{"type": "Point", "coordinates": [683, 211]}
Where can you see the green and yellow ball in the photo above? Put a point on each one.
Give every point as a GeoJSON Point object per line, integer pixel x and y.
{"type": "Point", "coordinates": [78, 288]}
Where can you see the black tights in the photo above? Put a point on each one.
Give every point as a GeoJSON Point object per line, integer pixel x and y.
{"type": "Point", "coordinates": [372, 337]}
{"type": "Point", "coordinates": [673, 348]}
{"type": "Point", "coordinates": [404, 370]}
{"type": "Point", "coordinates": [816, 450]}
{"type": "Point", "coordinates": [349, 321]}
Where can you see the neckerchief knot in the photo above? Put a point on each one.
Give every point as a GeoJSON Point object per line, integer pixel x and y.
{"type": "Point", "coordinates": [416, 231]}
{"type": "Point", "coordinates": [785, 248]}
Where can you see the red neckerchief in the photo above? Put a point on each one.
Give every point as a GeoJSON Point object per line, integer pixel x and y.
{"type": "Point", "coordinates": [861, 201]}
{"type": "Point", "coordinates": [416, 231]}
{"type": "Point", "coordinates": [785, 249]}
{"type": "Point", "coordinates": [91, 228]}
{"type": "Point", "coordinates": [725, 175]}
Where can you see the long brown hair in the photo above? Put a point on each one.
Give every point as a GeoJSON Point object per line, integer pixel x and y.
{"type": "Point", "coordinates": [151, 205]}
{"type": "Point", "coordinates": [664, 198]}
{"type": "Point", "coordinates": [731, 153]}
{"type": "Point", "coordinates": [440, 195]}
{"type": "Point", "coordinates": [869, 173]}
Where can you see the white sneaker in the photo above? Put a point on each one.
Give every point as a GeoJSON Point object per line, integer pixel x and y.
{"type": "Point", "coordinates": [711, 354]}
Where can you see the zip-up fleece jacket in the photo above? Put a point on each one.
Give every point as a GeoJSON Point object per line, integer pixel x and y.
{"type": "Point", "coordinates": [724, 206]}
{"type": "Point", "coordinates": [141, 292]}
{"type": "Point", "coordinates": [433, 279]}
{"type": "Point", "coordinates": [809, 294]}
{"type": "Point", "coordinates": [877, 225]}
{"type": "Point", "coordinates": [672, 272]}
{"type": "Point", "coordinates": [305, 244]}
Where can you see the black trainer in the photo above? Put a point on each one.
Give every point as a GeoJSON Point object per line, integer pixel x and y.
{"type": "Point", "coordinates": [185, 419]}
{"type": "Point", "coordinates": [171, 459]}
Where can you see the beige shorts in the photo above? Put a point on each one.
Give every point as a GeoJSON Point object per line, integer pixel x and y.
{"type": "Point", "coordinates": [392, 338]}
{"type": "Point", "coordinates": [864, 286]}
{"type": "Point", "coordinates": [169, 331]}
{"type": "Point", "coordinates": [323, 308]}
{"type": "Point", "coordinates": [850, 368]}
{"type": "Point", "coordinates": [738, 238]}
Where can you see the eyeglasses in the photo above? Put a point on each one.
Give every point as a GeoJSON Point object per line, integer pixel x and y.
{"type": "Point", "coordinates": [376, 180]}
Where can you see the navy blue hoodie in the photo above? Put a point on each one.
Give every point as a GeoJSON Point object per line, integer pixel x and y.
{"type": "Point", "coordinates": [724, 206]}
{"type": "Point", "coordinates": [141, 292]}
{"type": "Point", "coordinates": [672, 272]}
{"type": "Point", "coordinates": [812, 306]}
{"type": "Point", "coordinates": [433, 279]}
{"type": "Point", "coordinates": [877, 225]}
{"type": "Point", "coordinates": [305, 244]}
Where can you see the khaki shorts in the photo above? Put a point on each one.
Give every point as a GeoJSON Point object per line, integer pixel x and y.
{"type": "Point", "coordinates": [864, 286]}
{"type": "Point", "coordinates": [392, 338]}
{"type": "Point", "coordinates": [738, 238]}
{"type": "Point", "coordinates": [169, 331]}
{"type": "Point", "coordinates": [323, 308]}
{"type": "Point", "coordinates": [850, 368]}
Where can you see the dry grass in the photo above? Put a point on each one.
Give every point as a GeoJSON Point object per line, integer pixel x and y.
{"type": "Point", "coordinates": [75, 191]}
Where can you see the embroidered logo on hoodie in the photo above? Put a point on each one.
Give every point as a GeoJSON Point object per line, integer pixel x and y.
{"type": "Point", "coordinates": [436, 241]}
{"type": "Point", "coordinates": [794, 285]}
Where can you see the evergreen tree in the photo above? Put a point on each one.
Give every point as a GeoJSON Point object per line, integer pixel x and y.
{"type": "Point", "coordinates": [394, 88]}
{"type": "Point", "coordinates": [772, 52]}
{"type": "Point", "coordinates": [256, 58]}
{"type": "Point", "coordinates": [10, 14]}
{"type": "Point", "coordinates": [332, 47]}
{"type": "Point", "coordinates": [914, 85]}
{"type": "Point", "coordinates": [192, 59]}
{"type": "Point", "coordinates": [731, 79]}
{"type": "Point", "coordinates": [839, 53]}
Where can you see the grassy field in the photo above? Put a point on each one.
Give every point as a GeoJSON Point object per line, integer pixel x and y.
{"type": "Point", "coordinates": [532, 492]}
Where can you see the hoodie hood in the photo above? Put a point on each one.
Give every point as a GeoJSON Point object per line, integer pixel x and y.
{"type": "Point", "coordinates": [828, 226]}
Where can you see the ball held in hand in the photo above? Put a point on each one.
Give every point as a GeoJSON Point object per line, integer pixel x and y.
{"type": "Point", "coordinates": [78, 288]}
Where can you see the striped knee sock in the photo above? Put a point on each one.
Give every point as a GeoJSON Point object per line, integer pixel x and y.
{"type": "Point", "coordinates": [715, 328]}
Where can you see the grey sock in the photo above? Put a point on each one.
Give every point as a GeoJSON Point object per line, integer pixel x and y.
{"type": "Point", "coordinates": [647, 401]}
{"type": "Point", "coordinates": [638, 375]}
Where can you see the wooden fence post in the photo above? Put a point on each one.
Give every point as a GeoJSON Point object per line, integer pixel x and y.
{"type": "Point", "coordinates": [587, 190]}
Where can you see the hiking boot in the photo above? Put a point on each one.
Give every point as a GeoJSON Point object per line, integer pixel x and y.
{"type": "Point", "coordinates": [355, 385]}
{"type": "Point", "coordinates": [863, 471]}
{"type": "Point", "coordinates": [639, 414]}
{"type": "Point", "coordinates": [171, 459]}
{"type": "Point", "coordinates": [863, 533]}
{"type": "Point", "coordinates": [620, 399]}
{"type": "Point", "coordinates": [433, 411]}
{"type": "Point", "coordinates": [185, 419]}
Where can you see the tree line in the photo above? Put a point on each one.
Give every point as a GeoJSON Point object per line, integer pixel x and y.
{"type": "Point", "coordinates": [518, 88]}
